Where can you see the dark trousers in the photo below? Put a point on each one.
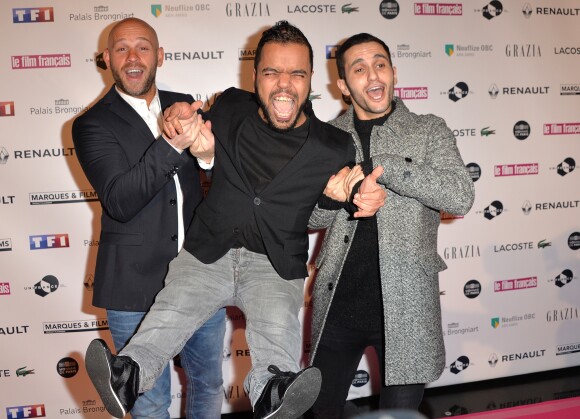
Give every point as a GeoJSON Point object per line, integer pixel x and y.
{"type": "Point", "coordinates": [338, 356]}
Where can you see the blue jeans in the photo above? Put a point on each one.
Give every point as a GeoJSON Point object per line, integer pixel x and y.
{"type": "Point", "coordinates": [201, 359]}
{"type": "Point", "coordinates": [194, 291]}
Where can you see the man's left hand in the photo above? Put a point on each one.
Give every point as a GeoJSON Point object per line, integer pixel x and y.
{"type": "Point", "coordinates": [370, 196]}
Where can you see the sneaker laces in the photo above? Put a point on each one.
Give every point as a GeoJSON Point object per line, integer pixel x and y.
{"type": "Point", "coordinates": [280, 374]}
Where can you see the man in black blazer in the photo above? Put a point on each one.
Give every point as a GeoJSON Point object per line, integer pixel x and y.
{"type": "Point", "coordinates": [248, 242]}
{"type": "Point", "coordinates": [148, 189]}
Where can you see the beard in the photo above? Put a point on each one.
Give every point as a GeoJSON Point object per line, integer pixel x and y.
{"type": "Point", "coordinates": [139, 90]}
{"type": "Point", "coordinates": [270, 121]}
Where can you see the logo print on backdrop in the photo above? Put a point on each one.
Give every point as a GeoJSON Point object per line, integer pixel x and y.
{"type": "Point", "coordinates": [46, 285]}
{"type": "Point", "coordinates": [314, 96]}
{"type": "Point", "coordinates": [23, 372]}
{"type": "Point", "coordinates": [438, 9]}
{"type": "Point", "coordinates": [89, 282]}
{"type": "Point", "coordinates": [410, 93]}
{"type": "Point", "coordinates": [347, 8]}
{"type": "Point", "coordinates": [461, 252]}
{"type": "Point", "coordinates": [527, 10]}
{"type": "Point", "coordinates": [542, 244]}
{"type": "Point", "coordinates": [389, 9]}
{"type": "Point", "coordinates": [459, 365]}
{"type": "Point", "coordinates": [48, 241]}
{"type": "Point", "coordinates": [361, 378]}
{"type": "Point", "coordinates": [21, 62]}
{"type": "Point", "coordinates": [25, 412]}
{"type": "Point", "coordinates": [449, 49]}
{"type": "Point", "coordinates": [570, 348]}
{"type": "Point", "coordinates": [250, 9]}
{"type": "Point", "coordinates": [246, 54]}
{"type": "Point", "coordinates": [13, 330]}
{"type": "Point", "coordinates": [156, 10]}
{"type": "Point", "coordinates": [527, 207]}
{"type": "Point", "coordinates": [4, 288]}
{"type": "Point", "coordinates": [472, 288]}
{"type": "Point", "coordinates": [522, 130]}
{"type": "Point", "coordinates": [516, 169]}
{"type": "Point", "coordinates": [33, 15]}
{"type": "Point", "coordinates": [493, 9]}
{"type": "Point", "coordinates": [523, 51]}
{"type": "Point", "coordinates": [100, 61]}
{"type": "Point", "coordinates": [74, 326]}
{"type": "Point", "coordinates": [331, 52]}
{"type": "Point", "coordinates": [493, 91]}
{"type": "Point", "coordinates": [569, 89]}
{"type": "Point", "coordinates": [459, 91]}
{"type": "Point", "coordinates": [486, 132]}
{"type": "Point", "coordinates": [563, 278]}
{"type": "Point", "coordinates": [574, 241]}
{"type": "Point", "coordinates": [67, 367]}
{"type": "Point", "coordinates": [492, 360]}
{"type": "Point", "coordinates": [567, 166]}
{"type": "Point", "coordinates": [495, 322]}
{"type": "Point", "coordinates": [3, 155]}
{"type": "Point", "coordinates": [562, 128]}
{"type": "Point", "coordinates": [7, 109]}
{"type": "Point", "coordinates": [515, 284]}
{"type": "Point", "coordinates": [561, 314]}
{"type": "Point", "coordinates": [493, 210]}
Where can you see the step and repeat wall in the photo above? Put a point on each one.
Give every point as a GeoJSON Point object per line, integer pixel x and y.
{"type": "Point", "coordinates": [505, 75]}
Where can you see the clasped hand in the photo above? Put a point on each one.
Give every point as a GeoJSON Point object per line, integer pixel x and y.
{"type": "Point", "coordinates": [185, 128]}
{"type": "Point", "coordinates": [370, 196]}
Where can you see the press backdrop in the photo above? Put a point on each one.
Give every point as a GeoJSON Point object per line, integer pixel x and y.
{"type": "Point", "coordinates": [504, 74]}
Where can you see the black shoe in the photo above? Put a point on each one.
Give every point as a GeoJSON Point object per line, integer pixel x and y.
{"type": "Point", "coordinates": [116, 378]}
{"type": "Point", "coordinates": [288, 395]}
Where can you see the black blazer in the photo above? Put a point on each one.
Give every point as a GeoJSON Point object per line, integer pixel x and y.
{"type": "Point", "coordinates": [281, 211]}
{"type": "Point", "coordinates": [132, 173]}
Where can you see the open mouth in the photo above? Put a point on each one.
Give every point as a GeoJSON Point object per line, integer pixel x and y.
{"type": "Point", "coordinates": [283, 107]}
{"type": "Point", "coordinates": [134, 73]}
{"type": "Point", "coordinates": [376, 92]}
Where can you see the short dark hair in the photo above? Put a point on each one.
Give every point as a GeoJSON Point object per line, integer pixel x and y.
{"type": "Point", "coordinates": [284, 33]}
{"type": "Point", "coordinates": [359, 38]}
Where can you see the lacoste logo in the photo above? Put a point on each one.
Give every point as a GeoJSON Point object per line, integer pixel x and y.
{"type": "Point", "coordinates": [23, 372]}
{"type": "Point", "coordinates": [542, 244]}
{"type": "Point", "coordinates": [486, 132]}
{"type": "Point", "coordinates": [348, 9]}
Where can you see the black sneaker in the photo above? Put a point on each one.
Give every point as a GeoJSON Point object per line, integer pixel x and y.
{"type": "Point", "coordinates": [116, 378]}
{"type": "Point", "coordinates": [288, 395]}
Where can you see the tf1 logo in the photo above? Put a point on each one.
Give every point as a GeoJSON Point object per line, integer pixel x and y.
{"type": "Point", "coordinates": [33, 15]}
{"type": "Point", "coordinates": [21, 412]}
{"type": "Point", "coordinates": [49, 241]}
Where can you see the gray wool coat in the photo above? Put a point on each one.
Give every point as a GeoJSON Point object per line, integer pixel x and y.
{"type": "Point", "coordinates": [424, 174]}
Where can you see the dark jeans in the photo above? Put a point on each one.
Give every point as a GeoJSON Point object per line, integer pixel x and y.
{"type": "Point", "coordinates": [338, 356]}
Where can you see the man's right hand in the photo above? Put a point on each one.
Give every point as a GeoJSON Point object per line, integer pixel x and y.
{"type": "Point", "coordinates": [339, 186]}
{"type": "Point", "coordinates": [175, 116]}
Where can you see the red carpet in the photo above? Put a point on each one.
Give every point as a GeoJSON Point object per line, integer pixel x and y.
{"type": "Point", "coordinates": [556, 409]}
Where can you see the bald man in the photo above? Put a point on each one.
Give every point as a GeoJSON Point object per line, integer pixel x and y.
{"type": "Point", "coordinates": [148, 188]}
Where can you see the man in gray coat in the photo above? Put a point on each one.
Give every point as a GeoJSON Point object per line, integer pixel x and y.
{"type": "Point", "coordinates": [377, 281]}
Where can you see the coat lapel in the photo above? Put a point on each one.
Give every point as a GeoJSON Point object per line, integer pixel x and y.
{"type": "Point", "coordinates": [123, 110]}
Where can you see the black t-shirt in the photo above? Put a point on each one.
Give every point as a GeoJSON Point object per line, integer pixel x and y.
{"type": "Point", "coordinates": [264, 152]}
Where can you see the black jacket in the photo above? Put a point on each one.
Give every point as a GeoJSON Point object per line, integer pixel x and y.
{"type": "Point", "coordinates": [132, 173]}
{"type": "Point", "coordinates": [282, 209]}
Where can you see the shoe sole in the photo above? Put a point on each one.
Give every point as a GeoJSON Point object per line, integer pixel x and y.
{"type": "Point", "coordinates": [97, 362]}
{"type": "Point", "coordinates": [299, 396]}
